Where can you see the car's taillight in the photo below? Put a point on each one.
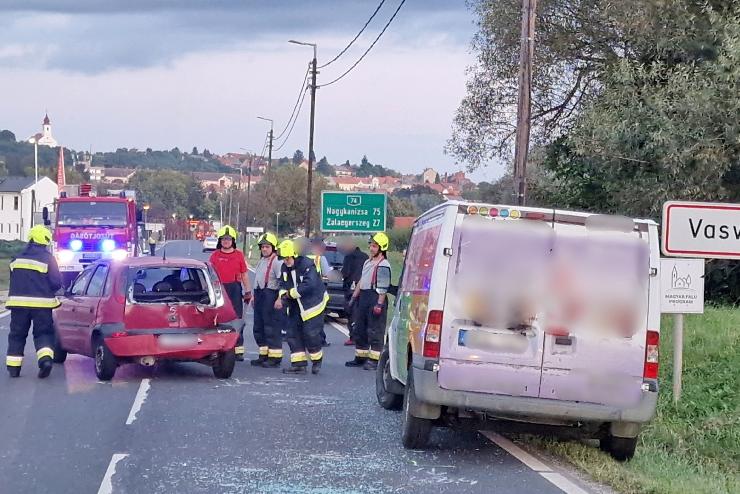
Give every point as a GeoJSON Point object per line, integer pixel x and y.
{"type": "Point", "coordinates": [119, 334]}
{"type": "Point", "coordinates": [652, 341]}
{"type": "Point", "coordinates": [433, 334]}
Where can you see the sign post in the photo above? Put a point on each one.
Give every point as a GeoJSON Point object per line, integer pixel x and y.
{"type": "Point", "coordinates": [353, 212]}
{"type": "Point", "coordinates": [681, 292]}
{"type": "Point", "coordinates": [697, 230]}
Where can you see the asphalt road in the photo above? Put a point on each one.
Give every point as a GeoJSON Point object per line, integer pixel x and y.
{"type": "Point", "coordinates": [175, 428]}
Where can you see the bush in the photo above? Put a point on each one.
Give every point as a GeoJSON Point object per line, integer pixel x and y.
{"type": "Point", "coordinates": [9, 248]}
{"type": "Point", "coordinates": [722, 282]}
{"type": "Point", "coordinates": [399, 238]}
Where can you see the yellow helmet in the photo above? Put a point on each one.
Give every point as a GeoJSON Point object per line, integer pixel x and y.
{"type": "Point", "coordinates": [381, 239]}
{"type": "Point", "coordinates": [39, 234]}
{"type": "Point", "coordinates": [227, 231]}
{"type": "Point", "coordinates": [287, 249]}
{"type": "Point", "coordinates": [268, 238]}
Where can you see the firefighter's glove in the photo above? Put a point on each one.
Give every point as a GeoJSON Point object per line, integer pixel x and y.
{"type": "Point", "coordinates": [377, 310]}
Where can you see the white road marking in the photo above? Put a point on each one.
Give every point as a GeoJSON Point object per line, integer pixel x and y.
{"type": "Point", "coordinates": [562, 483]}
{"type": "Point", "coordinates": [106, 486]}
{"type": "Point", "coordinates": [555, 478]}
{"type": "Point", "coordinates": [339, 328]}
{"type": "Point", "coordinates": [138, 401]}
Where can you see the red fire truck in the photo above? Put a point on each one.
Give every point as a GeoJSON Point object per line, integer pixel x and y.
{"type": "Point", "coordinates": [89, 228]}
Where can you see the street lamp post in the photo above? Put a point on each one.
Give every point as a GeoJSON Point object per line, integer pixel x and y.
{"type": "Point", "coordinates": [35, 143]}
{"type": "Point", "coordinates": [310, 135]}
{"type": "Point", "coordinates": [277, 224]}
{"type": "Point", "coordinates": [146, 210]}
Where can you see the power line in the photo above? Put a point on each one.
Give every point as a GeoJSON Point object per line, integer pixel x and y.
{"type": "Point", "coordinates": [300, 95]}
{"type": "Point", "coordinates": [300, 106]}
{"type": "Point", "coordinates": [377, 9]}
{"type": "Point", "coordinates": [368, 50]}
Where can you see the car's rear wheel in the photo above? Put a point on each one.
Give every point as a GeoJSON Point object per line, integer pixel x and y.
{"type": "Point", "coordinates": [60, 354]}
{"type": "Point", "coordinates": [414, 431]}
{"type": "Point", "coordinates": [224, 365]}
{"type": "Point", "coordinates": [105, 361]}
{"type": "Point", "coordinates": [620, 448]}
{"type": "Point", "coordinates": [383, 379]}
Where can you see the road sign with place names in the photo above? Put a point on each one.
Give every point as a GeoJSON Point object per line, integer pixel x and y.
{"type": "Point", "coordinates": [701, 229]}
{"type": "Point", "coordinates": [353, 211]}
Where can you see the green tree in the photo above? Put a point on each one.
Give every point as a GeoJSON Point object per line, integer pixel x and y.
{"type": "Point", "coordinates": [168, 192]}
{"type": "Point", "coordinates": [323, 167]}
{"type": "Point", "coordinates": [7, 136]}
{"type": "Point", "coordinates": [195, 151]}
{"type": "Point", "coordinates": [579, 43]}
{"type": "Point", "coordinates": [298, 157]}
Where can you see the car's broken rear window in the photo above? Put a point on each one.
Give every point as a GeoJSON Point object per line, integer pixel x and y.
{"type": "Point", "coordinates": [169, 284]}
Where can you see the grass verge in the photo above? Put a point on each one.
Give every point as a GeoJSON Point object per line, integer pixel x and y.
{"type": "Point", "coordinates": [694, 445]}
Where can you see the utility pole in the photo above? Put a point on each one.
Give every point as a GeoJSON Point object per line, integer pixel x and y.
{"type": "Point", "coordinates": [310, 135]}
{"type": "Point", "coordinates": [309, 208]}
{"type": "Point", "coordinates": [521, 151]}
{"type": "Point", "coordinates": [269, 156]}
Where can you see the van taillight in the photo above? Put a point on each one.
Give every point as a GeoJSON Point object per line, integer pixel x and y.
{"type": "Point", "coordinates": [652, 341]}
{"type": "Point", "coordinates": [433, 334]}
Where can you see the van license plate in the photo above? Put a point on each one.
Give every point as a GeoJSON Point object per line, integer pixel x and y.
{"type": "Point", "coordinates": [177, 340]}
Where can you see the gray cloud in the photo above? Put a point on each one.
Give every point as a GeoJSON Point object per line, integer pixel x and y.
{"type": "Point", "coordinates": [93, 36]}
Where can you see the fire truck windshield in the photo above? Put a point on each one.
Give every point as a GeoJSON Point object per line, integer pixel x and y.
{"type": "Point", "coordinates": [92, 214]}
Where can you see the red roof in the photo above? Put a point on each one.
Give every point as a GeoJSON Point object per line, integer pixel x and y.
{"type": "Point", "coordinates": [403, 221]}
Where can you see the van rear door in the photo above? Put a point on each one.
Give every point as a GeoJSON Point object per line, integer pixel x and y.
{"type": "Point", "coordinates": [492, 339]}
{"type": "Point", "coordinates": [596, 327]}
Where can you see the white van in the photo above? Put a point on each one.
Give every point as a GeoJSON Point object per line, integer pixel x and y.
{"type": "Point", "coordinates": [518, 318]}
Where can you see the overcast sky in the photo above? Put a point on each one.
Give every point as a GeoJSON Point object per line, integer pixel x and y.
{"type": "Point", "coordinates": [166, 73]}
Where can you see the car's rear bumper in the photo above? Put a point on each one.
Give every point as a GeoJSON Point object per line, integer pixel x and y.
{"type": "Point", "coordinates": [147, 343]}
{"type": "Point", "coordinates": [336, 301]}
{"type": "Point", "coordinates": [518, 407]}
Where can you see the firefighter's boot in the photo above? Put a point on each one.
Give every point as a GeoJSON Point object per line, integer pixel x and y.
{"type": "Point", "coordinates": [315, 367]}
{"type": "Point", "coordinates": [272, 363]}
{"type": "Point", "coordinates": [14, 371]}
{"type": "Point", "coordinates": [259, 362]}
{"type": "Point", "coordinates": [295, 369]}
{"type": "Point", "coordinates": [45, 366]}
{"type": "Point", "coordinates": [356, 362]}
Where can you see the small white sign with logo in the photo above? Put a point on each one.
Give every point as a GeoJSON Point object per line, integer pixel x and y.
{"type": "Point", "coordinates": [682, 286]}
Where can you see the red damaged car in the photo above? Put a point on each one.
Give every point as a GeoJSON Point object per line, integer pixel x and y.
{"type": "Point", "coordinates": [145, 309]}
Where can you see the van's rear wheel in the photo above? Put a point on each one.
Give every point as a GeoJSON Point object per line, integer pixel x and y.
{"type": "Point", "coordinates": [383, 378]}
{"type": "Point", "coordinates": [414, 431]}
{"type": "Point", "coordinates": [620, 448]}
{"type": "Point", "coordinates": [224, 365]}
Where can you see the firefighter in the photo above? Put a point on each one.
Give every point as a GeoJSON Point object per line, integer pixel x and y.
{"type": "Point", "coordinates": [152, 243]}
{"type": "Point", "coordinates": [34, 281]}
{"type": "Point", "coordinates": [318, 247]}
{"type": "Point", "coordinates": [268, 321]}
{"type": "Point", "coordinates": [302, 290]}
{"type": "Point", "coordinates": [354, 259]}
{"type": "Point", "coordinates": [231, 267]}
{"type": "Point", "coordinates": [370, 305]}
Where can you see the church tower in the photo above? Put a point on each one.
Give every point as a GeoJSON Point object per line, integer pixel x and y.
{"type": "Point", "coordinates": [46, 139]}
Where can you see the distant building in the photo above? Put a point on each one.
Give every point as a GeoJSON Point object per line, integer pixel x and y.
{"type": "Point", "coordinates": [21, 204]}
{"type": "Point", "coordinates": [221, 182]}
{"type": "Point", "coordinates": [44, 138]}
{"type": "Point", "coordinates": [96, 173]}
{"type": "Point", "coordinates": [344, 171]}
{"type": "Point", "coordinates": [429, 176]}
{"type": "Point", "coordinates": [117, 176]}
{"type": "Point", "coordinates": [233, 160]}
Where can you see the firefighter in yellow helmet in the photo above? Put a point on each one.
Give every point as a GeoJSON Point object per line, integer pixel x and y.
{"type": "Point", "coordinates": [268, 321]}
{"type": "Point", "coordinates": [304, 293]}
{"type": "Point", "coordinates": [370, 305]}
{"type": "Point", "coordinates": [232, 270]}
{"type": "Point", "coordinates": [34, 281]}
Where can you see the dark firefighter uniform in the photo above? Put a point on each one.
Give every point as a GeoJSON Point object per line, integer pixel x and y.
{"type": "Point", "coordinates": [369, 315]}
{"type": "Point", "coordinates": [34, 281]}
{"type": "Point", "coordinates": [231, 267]}
{"type": "Point", "coordinates": [268, 321]}
{"type": "Point", "coordinates": [323, 268]}
{"type": "Point", "coordinates": [302, 289]}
